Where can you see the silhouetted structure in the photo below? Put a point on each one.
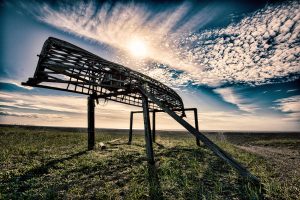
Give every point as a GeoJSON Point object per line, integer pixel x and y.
{"type": "Point", "coordinates": [64, 66]}
{"type": "Point", "coordinates": [154, 111]}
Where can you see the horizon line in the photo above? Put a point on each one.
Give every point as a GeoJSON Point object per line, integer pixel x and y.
{"type": "Point", "coordinates": [176, 130]}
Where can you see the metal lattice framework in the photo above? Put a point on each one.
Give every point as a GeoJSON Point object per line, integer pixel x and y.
{"type": "Point", "coordinates": [64, 66]}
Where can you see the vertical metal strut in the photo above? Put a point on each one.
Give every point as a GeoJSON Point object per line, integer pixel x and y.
{"type": "Point", "coordinates": [148, 139]}
{"type": "Point", "coordinates": [91, 123]}
{"type": "Point", "coordinates": [196, 125]}
{"type": "Point", "coordinates": [130, 128]}
{"type": "Point", "coordinates": [153, 125]}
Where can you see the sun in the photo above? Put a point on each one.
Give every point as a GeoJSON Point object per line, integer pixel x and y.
{"type": "Point", "coordinates": [138, 48]}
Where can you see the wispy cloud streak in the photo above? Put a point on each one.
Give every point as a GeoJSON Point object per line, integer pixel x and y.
{"type": "Point", "coordinates": [230, 96]}
{"type": "Point", "coordinates": [290, 106]}
{"type": "Point", "coordinates": [259, 49]}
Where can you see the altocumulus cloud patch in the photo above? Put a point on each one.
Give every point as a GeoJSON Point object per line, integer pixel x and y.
{"type": "Point", "coordinates": [260, 49]}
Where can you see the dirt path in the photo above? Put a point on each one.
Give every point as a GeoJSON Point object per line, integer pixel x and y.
{"type": "Point", "coordinates": [272, 152]}
{"type": "Point", "coordinates": [284, 161]}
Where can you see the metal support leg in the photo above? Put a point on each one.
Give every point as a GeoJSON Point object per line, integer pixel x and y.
{"type": "Point", "coordinates": [130, 128]}
{"type": "Point", "coordinates": [209, 144]}
{"type": "Point", "coordinates": [196, 125]}
{"type": "Point", "coordinates": [91, 123]}
{"type": "Point", "coordinates": [148, 139]}
{"type": "Point", "coordinates": [153, 125]}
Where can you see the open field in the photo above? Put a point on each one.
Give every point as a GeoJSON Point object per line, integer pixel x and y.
{"type": "Point", "coordinates": [48, 163]}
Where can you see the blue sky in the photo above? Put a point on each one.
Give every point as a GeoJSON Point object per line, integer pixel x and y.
{"type": "Point", "coordinates": [238, 63]}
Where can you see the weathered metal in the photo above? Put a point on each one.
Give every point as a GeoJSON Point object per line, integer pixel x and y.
{"type": "Point", "coordinates": [91, 123]}
{"type": "Point", "coordinates": [154, 122]}
{"type": "Point", "coordinates": [212, 146]}
{"type": "Point", "coordinates": [153, 126]}
{"type": "Point", "coordinates": [130, 128]}
{"type": "Point", "coordinates": [148, 138]}
{"type": "Point", "coordinates": [66, 67]}
{"type": "Point", "coordinates": [196, 125]}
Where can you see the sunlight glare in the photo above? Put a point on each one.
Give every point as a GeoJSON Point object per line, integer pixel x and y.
{"type": "Point", "coordinates": [138, 48]}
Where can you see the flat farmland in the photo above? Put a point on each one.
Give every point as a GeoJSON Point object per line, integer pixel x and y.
{"type": "Point", "coordinates": [52, 163]}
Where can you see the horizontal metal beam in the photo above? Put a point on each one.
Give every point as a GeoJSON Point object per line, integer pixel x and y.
{"type": "Point", "coordinates": [115, 94]}
{"type": "Point", "coordinates": [156, 110]}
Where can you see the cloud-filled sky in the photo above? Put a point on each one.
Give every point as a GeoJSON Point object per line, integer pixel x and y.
{"type": "Point", "coordinates": [238, 63]}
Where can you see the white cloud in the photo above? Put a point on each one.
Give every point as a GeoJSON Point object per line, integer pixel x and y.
{"type": "Point", "coordinates": [64, 104]}
{"type": "Point", "coordinates": [39, 102]}
{"type": "Point", "coordinates": [53, 110]}
{"type": "Point", "coordinates": [16, 83]}
{"type": "Point", "coordinates": [246, 122]}
{"type": "Point", "coordinates": [290, 106]}
{"type": "Point", "coordinates": [31, 115]}
{"type": "Point", "coordinates": [17, 108]}
{"type": "Point", "coordinates": [261, 47]}
{"type": "Point", "coordinates": [230, 96]}
{"type": "Point", "coordinates": [257, 49]}
{"type": "Point", "coordinates": [291, 90]}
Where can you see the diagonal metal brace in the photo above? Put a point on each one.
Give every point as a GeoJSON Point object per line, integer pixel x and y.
{"type": "Point", "coordinates": [211, 145]}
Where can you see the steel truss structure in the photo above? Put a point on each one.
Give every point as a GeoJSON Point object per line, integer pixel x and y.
{"type": "Point", "coordinates": [66, 67]}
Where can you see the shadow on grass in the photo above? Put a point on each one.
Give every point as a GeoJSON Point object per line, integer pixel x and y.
{"type": "Point", "coordinates": [155, 191]}
{"type": "Point", "coordinates": [160, 146]}
{"type": "Point", "coordinates": [122, 174]}
{"type": "Point", "coordinates": [40, 171]}
{"type": "Point", "coordinates": [218, 179]}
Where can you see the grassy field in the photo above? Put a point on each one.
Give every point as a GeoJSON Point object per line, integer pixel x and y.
{"type": "Point", "coordinates": [43, 163]}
